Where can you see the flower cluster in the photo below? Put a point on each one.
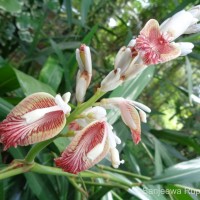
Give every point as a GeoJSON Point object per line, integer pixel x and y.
{"type": "Point", "coordinates": [41, 116]}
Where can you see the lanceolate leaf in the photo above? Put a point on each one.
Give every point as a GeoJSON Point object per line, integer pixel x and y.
{"type": "Point", "coordinates": [30, 85]}
{"type": "Point", "coordinates": [184, 172]}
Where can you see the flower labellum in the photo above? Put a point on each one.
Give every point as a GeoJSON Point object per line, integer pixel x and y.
{"type": "Point", "coordinates": [38, 117]}
{"type": "Point", "coordinates": [86, 149]}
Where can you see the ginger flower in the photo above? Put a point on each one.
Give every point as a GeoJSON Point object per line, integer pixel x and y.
{"type": "Point", "coordinates": [38, 117]}
{"type": "Point", "coordinates": [83, 57]}
{"type": "Point", "coordinates": [90, 146]}
{"type": "Point", "coordinates": [132, 114]}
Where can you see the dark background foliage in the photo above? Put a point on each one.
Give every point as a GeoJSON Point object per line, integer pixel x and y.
{"type": "Point", "coordinates": [38, 39]}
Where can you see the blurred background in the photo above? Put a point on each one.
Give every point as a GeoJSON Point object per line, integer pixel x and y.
{"type": "Point", "coordinates": [38, 39]}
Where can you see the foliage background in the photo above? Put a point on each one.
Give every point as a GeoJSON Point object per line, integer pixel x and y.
{"type": "Point", "coordinates": [38, 39]}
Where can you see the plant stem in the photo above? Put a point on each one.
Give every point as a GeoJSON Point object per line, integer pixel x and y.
{"type": "Point", "coordinates": [41, 169]}
{"type": "Point", "coordinates": [80, 108]}
{"type": "Point", "coordinates": [35, 150]}
{"type": "Point", "coordinates": [123, 172]}
{"type": "Point", "coordinates": [14, 172]}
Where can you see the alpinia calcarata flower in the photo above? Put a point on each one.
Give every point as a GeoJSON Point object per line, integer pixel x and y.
{"type": "Point", "coordinates": [155, 43]}
{"type": "Point", "coordinates": [90, 146]}
{"type": "Point", "coordinates": [38, 117]}
{"type": "Point", "coordinates": [87, 116]}
{"type": "Point", "coordinates": [83, 57]}
{"type": "Point", "coordinates": [130, 116]}
{"type": "Point", "coordinates": [127, 65]}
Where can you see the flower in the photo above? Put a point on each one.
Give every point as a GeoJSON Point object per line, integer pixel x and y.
{"type": "Point", "coordinates": [38, 117]}
{"type": "Point", "coordinates": [154, 44]}
{"type": "Point", "coordinates": [88, 147]}
{"type": "Point", "coordinates": [87, 116]}
{"type": "Point", "coordinates": [130, 116]}
{"type": "Point", "coordinates": [83, 57]}
{"type": "Point", "coordinates": [127, 65]}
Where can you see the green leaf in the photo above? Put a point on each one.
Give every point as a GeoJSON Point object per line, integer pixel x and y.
{"type": "Point", "coordinates": [8, 80]}
{"type": "Point", "coordinates": [30, 85]}
{"type": "Point", "coordinates": [184, 172]}
{"type": "Point", "coordinates": [68, 6]}
{"type": "Point", "coordinates": [40, 186]}
{"type": "Point", "coordinates": [5, 108]}
{"type": "Point", "coordinates": [51, 73]}
{"type": "Point", "coordinates": [85, 6]}
{"type": "Point", "coordinates": [188, 69]}
{"type": "Point", "coordinates": [158, 160]}
{"type": "Point", "coordinates": [13, 6]}
{"type": "Point", "coordinates": [178, 192]}
{"type": "Point", "coordinates": [176, 136]}
{"type": "Point", "coordinates": [131, 90]}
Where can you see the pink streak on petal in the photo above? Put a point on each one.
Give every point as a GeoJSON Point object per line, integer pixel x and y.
{"type": "Point", "coordinates": [74, 159]}
{"type": "Point", "coordinates": [131, 118]}
{"type": "Point", "coordinates": [136, 135]}
{"type": "Point", "coordinates": [74, 126]}
{"type": "Point", "coordinates": [14, 130]}
{"type": "Point", "coordinates": [154, 47]}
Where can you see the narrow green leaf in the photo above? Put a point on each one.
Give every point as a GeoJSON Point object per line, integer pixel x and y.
{"type": "Point", "coordinates": [184, 172]}
{"type": "Point", "coordinates": [176, 136]}
{"type": "Point", "coordinates": [188, 69]}
{"type": "Point", "coordinates": [178, 192]}
{"type": "Point", "coordinates": [158, 160]}
{"type": "Point", "coordinates": [5, 108]}
{"type": "Point", "coordinates": [85, 6]}
{"type": "Point", "coordinates": [30, 85]}
{"type": "Point", "coordinates": [68, 6]}
{"type": "Point", "coordinates": [51, 73]}
{"type": "Point", "coordinates": [64, 64]}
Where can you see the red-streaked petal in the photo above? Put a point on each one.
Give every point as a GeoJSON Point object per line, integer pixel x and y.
{"type": "Point", "coordinates": [15, 130]}
{"type": "Point", "coordinates": [75, 158]}
{"type": "Point", "coordinates": [33, 102]}
{"type": "Point", "coordinates": [131, 118]}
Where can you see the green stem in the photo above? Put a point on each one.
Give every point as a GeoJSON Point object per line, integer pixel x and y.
{"type": "Point", "coordinates": [41, 169]}
{"type": "Point", "coordinates": [105, 184]}
{"type": "Point", "coordinates": [123, 172]}
{"type": "Point", "coordinates": [14, 172]}
{"type": "Point", "coordinates": [80, 108]}
{"type": "Point", "coordinates": [35, 150]}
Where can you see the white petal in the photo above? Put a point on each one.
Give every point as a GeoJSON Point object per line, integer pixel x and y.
{"type": "Point", "coordinates": [81, 87]}
{"type": "Point", "coordinates": [195, 28]}
{"type": "Point", "coordinates": [195, 11]}
{"type": "Point", "coordinates": [64, 106]}
{"type": "Point", "coordinates": [115, 158]}
{"type": "Point", "coordinates": [111, 81]}
{"type": "Point", "coordinates": [186, 47]}
{"type": "Point", "coordinates": [175, 27]}
{"type": "Point", "coordinates": [143, 116]}
{"type": "Point", "coordinates": [131, 43]}
{"type": "Point", "coordinates": [123, 59]}
{"type": "Point", "coordinates": [78, 58]}
{"type": "Point", "coordinates": [88, 60]}
{"type": "Point", "coordinates": [38, 114]}
{"type": "Point", "coordinates": [140, 105]}
{"type": "Point", "coordinates": [66, 97]}
{"type": "Point", "coordinates": [96, 113]}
